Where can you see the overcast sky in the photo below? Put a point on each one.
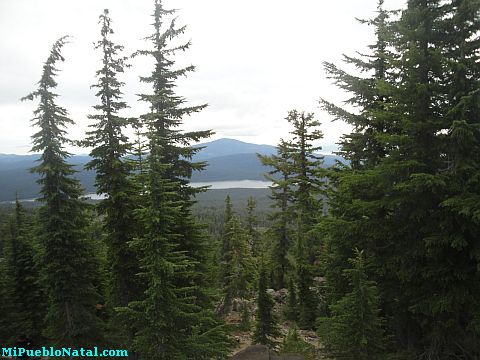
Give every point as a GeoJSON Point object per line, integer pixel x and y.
{"type": "Point", "coordinates": [255, 60]}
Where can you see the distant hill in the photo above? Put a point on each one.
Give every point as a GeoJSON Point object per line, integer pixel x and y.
{"type": "Point", "coordinates": [228, 159]}
{"type": "Point", "coordinates": [224, 147]}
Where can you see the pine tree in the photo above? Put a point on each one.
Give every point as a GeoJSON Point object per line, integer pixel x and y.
{"type": "Point", "coordinates": [23, 310]}
{"type": "Point", "coordinates": [281, 194]}
{"type": "Point", "coordinates": [365, 146]}
{"type": "Point", "coordinates": [291, 308]}
{"type": "Point", "coordinates": [174, 320]}
{"type": "Point", "coordinates": [356, 189]}
{"type": "Point", "coordinates": [245, 323]}
{"type": "Point", "coordinates": [226, 259]}
{"type": "Point", "coordinates": [293, 344]}
{"type": "Point", "coordinates": [409, 208]}
{"type": "Point", "coordinates": [306, 176]}
{"type": "Point", "coordinates": [238, 267]}
{"type": "Point", "coordinates": [113, 170]}
{"type": "Point", "coordinates": [251, 227]}
{"type": "Point", "coordinates": [308, 186]}
{"type": "Point", "coordinates": [22, 263]}
{"type": "Point", "coordinates": [354, 329]}
{"type": "Point", "coordinates": [266, 328]}
{"type": "Point", "coordinates": [68, 263]}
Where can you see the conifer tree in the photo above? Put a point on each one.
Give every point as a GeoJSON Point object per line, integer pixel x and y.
{"type": "Point", "coordinates": [174, 319]}
{"type": "Point", "coordinates": [226, 253]}
{"type": "Point", "coordinates": [266, 328]}
{"type": "Point", "coordinates": [23, 310]}
{"type": "Point", "coordinates": [354, 329]}
{"type": "Point", "coordinates": [309, 185]}
{"type": "Point", "coordinates": [306, 176]}
{"type": "Point", "coordinates": [68, 262]}
{"type": "Point", "coordinates": [293, 344]}
{"type": "Point", "coordinates": [113, 170]}
{"type": "Point", "coordinates": [22, 262]}
{"type": "Point", "coordinates": [228, 210]}
{"type": "Point", "coordinates": [291, 308]}
{"type": "Point", "coordinates": [405, 208]}
{"type": "Point", "coordinates": [365, 148]}
{"type": "Point", "coordinates": [251, 227]}
{"type": "Point", "coordinates": [238, 267]}
{"type": "Point", "coordinates": [281, 194]}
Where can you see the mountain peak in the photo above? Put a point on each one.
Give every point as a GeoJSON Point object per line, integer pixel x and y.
{"type": "Point", "coordinates": [227, 146]}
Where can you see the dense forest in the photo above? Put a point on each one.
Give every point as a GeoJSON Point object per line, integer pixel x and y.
{"type": "Point", "coordinates": [374, 258]}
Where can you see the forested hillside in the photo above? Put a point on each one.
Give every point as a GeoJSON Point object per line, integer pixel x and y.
{"type": "Point", "coordinates": [227, 159]}
{"type": "Point", "coordinates": [370, 258]}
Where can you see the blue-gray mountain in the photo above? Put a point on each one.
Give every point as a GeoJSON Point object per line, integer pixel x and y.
{"type": "Point", "coordinates": [228, 159]}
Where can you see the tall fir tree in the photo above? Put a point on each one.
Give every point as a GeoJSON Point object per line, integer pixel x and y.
{"type": "Point", "coordinates": [281, 194]}
{"type": "Point", "coordinates": [364, 148]}
{"type": "Point", "coordinates": [291, 308]}
{"type": "Point", "coordinates": [308, 183]}
{"type": "Point", "coordinates": [174, 318]}
{"type": "Point", "coordinates": [225, 256]}
{"type": "Point", "coordinates": [23, 257]}
{"type": "Point", "coordinates": [266, 327]}
{"type": "Point", "coordinates": [24, 308]}
{"type": "Point", "coordinates": [113, 170]}
{"type": "Point", "coordinates": [251, 223]}
{"type": "Point", "coordinates": [68, 262]}
{"type": "Point", "coordinates": [354, 329]}
{"type": "Point", "coordinates": [239, 278]}
{"type": "Point", "coordinates": [404, 208]}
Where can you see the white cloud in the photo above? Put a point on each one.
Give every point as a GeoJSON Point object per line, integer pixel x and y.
{"type": "Point", "coordinates": [255, 59]}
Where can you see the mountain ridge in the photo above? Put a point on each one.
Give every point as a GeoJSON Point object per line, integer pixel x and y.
{"type": "Point", "coordinates": [228, 159]}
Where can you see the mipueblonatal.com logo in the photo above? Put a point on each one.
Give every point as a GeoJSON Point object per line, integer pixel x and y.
{"type": "Point", "coordinates": [61, 352]}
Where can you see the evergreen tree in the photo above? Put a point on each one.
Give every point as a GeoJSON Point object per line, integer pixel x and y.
{"type": "Point", "coordinates": [266, 328]}
{"type": "Point", "coordinates": [226, 253]}
{"type": "Point", "coordinates": [68, 263]}
{"type": "Point", "coordinates": [113, 170]}
{"type": "Point", "coordinates": [228, 210]}
{"type": "Point", "coordinates": [245, 323]}
{"type": "Point", "coordinates": [27, 293]}
{"type": "Point", "coordinates": [282, 197]}
{"type": "Point", "coordinates": [251, 227]}
{"type": "Point", "coordinates": [23, 310]}
{"type": "Point", "coordinates": [293, 344]}
{"type": "Point", "coordinates": [354, 329]}
{"type": "Point", "coordinates": [291, 309]}
{"type": "Point", "coordinates": [308, 185]}
{"type": "Point", "coordinates": [174, 318]}
{"type": "Point", "coordinates": [365, 146]}
{"type": "Point", "coordinates": [237, 264]}
{"type": "Point", "coordinates": [306, 177]}
{"type": "Point", "coordinates": [409, 208]}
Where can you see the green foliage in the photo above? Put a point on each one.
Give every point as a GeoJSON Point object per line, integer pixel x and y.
{"type": "Point", "coordinates": [251, 223]}
{"type": "Point", "coordinates": [23, 310]}
{"type": "Point", "coordinates": [237, 264]}
{"type": "Point", "coordinates": [279, 231]}
{"type": "Point", "coordinates": [174, 318]}
{"type": "Point", "coordinates": [113, 171]}
{"type": "Point", "coordinates": [408, 198]}
{"type": "Point", "coordinates": [354, 328]}
{"type": "Point", "coordinates": [293, 344]}
{"type": "Point", "coordinates": [291, 308]}
{"type": "Point", "coordinates": [308, 185]}
{"type": "Point", "coordinates": [68, 261]}
{"type": "Point", "coordinates": [246, 321]}
{"type": "Point", "coordinates": [266, 328]}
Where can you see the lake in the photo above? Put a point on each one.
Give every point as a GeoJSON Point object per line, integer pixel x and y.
{"type": "Point", "coordinates": [216, 185]}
